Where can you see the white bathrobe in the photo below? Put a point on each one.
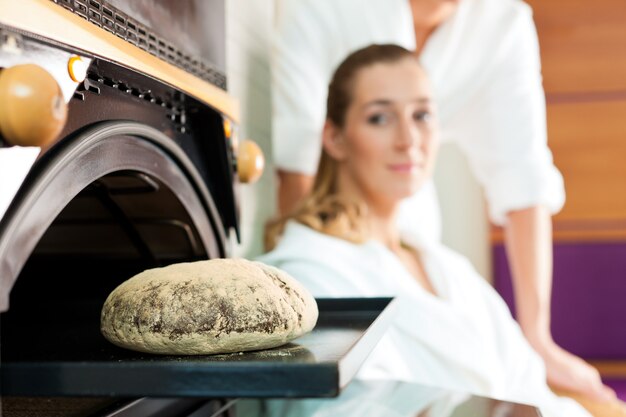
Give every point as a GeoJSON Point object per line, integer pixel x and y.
{"type": "Point", "coordinates": [462, 339]}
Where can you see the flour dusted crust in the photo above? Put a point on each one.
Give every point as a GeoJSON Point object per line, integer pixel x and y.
{"type": "Point", "coordinates": [207, 307]}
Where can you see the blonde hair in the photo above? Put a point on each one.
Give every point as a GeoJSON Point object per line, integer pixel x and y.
{"type": "Point", "coordinates": [324, 209]}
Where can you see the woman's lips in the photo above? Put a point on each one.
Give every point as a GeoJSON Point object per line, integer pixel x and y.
{"type": "Point", "coordinates": [404, 167]}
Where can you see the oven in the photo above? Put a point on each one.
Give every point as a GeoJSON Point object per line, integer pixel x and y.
{"type": "Point", "coordinates": [140, 171]}
{"type": "Point", "coordinates": [119, 152]}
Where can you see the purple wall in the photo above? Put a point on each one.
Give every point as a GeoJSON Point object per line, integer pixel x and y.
{"type": "Point", "coordinates": [588, 297]}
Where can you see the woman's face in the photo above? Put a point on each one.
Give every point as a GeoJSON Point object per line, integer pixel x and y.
{"type": "Point", "coordinates": [386, 149]}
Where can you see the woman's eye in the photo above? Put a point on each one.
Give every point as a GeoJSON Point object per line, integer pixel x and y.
{"type": "Point", "coordinates": [377, 119]}
{"type": "Point", "coordinates": [422, 116]}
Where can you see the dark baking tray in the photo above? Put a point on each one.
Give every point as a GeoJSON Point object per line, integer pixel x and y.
{"type": "Point", "coordinates": [80, 362]}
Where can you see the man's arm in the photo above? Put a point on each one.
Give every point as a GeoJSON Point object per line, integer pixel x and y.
{"type": "Point", "coordinates": [504, 136]}
{"type": "Point", "coordinates": [299, 73]}
{"type": "Point", "coordinates": [292, 188]}
{"type": "Point", "coordinates": [528, 234]}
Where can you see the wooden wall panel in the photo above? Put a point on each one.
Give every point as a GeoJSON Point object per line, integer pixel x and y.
{"type": "Point", "coordinates": [588, 141]}
{"type": "Point", "coordinates": [583, 45]}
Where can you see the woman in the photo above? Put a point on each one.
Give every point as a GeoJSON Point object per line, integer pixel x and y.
{"type": "Point", "coordinates": [452, 329]}
{"type": "Point", "coordinates": [483, 58]}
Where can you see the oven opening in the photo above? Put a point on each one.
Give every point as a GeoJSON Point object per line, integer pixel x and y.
{"type": "Point", "coordinates": [117, 226]}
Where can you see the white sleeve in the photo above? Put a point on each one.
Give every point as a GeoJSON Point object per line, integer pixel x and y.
{"type": "Point", "coordinates": [299, 86]}
{"type": "Point", "coordinates": [504, 132]}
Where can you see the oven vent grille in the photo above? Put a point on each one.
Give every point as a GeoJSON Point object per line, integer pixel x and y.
{"type": "Point", "coordinates": [119, 23]}
{"type": "Point", "coordinates": [175, 111]}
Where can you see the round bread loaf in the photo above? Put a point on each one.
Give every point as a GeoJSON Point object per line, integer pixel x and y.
{"type": "Point", "coordinates": [207, 307]}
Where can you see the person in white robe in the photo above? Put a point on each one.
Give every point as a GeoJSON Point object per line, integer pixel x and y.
{"type": "Point", "coordinates": [451, 330]}
{"type": "Point", "coordinates": [482, 57]}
